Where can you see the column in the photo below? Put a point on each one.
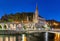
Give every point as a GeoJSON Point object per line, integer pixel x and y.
{"type": "Point", "coordinates": [58, 37]}
{"type": "Point", "coordinates": [7, 26]}
{"type": "Point", "coordinates": [6, 38]}
{"type": "Point", "coordinates": [46, 36]}
{"type": "Point", "coordinates": [13, 38]}
{"type": "Point", "coordinates": [16, 37]}
{"type": "Point", "coordinates": [2, 26]}
{"type": "Point", "coordinates": [24, 38]}
{"type": "Point", "coordinates": [19, 38]}
{"type": "Point", "coordinates": [15, 26]}
{"type": "Point", "coordinates": [1, 38]}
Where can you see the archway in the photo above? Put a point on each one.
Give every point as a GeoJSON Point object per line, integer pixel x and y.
{"type": "Point", "coordinates": [5, 26]}
{"type": "Point", "coordinates": [0, 27]}
{"type": "Point", "coordinates": [19, 27]}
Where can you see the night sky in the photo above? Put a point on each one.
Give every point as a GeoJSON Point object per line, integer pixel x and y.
{"type": "Point", "coordinates": [49, 9]}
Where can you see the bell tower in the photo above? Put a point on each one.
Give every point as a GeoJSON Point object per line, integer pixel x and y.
{"type": "Point", "coordinates": [35, 19]}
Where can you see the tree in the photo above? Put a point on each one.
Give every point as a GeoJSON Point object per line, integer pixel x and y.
{"type": "Point", "coordinates": [0, 27]}
{"type": "Point", "coordinates": [5, 27]}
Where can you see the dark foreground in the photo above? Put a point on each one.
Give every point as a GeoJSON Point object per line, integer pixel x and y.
{"type": "Point", "coordinates": [30, 37]}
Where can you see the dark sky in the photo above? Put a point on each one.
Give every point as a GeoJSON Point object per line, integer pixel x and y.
{"type": "Point", "coordinates": [49, 9]}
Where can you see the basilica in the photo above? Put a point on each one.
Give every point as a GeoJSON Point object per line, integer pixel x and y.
{"type": "Point", "coordinates": [37, 22]}
{"type": "Point", "coordinates": [36, 18]}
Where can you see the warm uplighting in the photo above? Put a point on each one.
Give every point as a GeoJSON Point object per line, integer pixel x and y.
{"type": "Point", "coordinates": [57, 36]}
{"type": "Point", "coordinates": [55, 24]}
{"type": "Point", "coordinates": [16, 21]}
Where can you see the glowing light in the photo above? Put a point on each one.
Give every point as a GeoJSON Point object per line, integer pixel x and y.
{"type": "Point", "coordinates": [24, 37]}
{"type": "Point", "coordinates": [57, 37]}
{"type": "Point", "coordinates": [16, 21]}
{"type": "Point", "coordinates": [55, 24]}
{"type": "Point", "coordinates": [46, 36]}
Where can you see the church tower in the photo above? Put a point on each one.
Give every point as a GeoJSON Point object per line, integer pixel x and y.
{"type": "Point", "coordinates": [35, 16]}
{"type": "Point", "coordinates": [27, 19]}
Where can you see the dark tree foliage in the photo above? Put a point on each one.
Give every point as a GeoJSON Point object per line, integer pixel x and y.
{"type": "Point", "coordinates": [16, 17]}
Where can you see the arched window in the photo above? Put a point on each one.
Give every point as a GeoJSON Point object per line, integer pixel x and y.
{"type": "Point", "coordinates": [5, 27]}
{"type": "Point", "coordinates": [0, 27]}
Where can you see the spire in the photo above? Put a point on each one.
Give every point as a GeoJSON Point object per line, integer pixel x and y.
{"type": "Point", "coordinates": [36, 6]}
{"type": "Point", "coordinates": [36, 14]}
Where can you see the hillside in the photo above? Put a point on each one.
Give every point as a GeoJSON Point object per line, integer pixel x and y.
{"type": "Point", "coordinates": [17, 17]}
